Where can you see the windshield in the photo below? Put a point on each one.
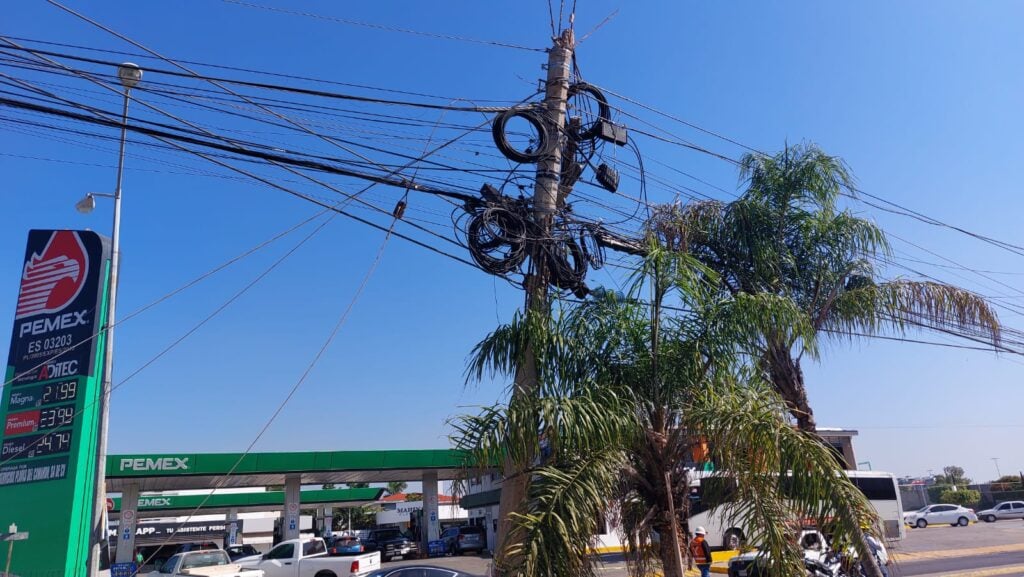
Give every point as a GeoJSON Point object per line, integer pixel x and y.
{"type": "Point", "coordinates": [170, 564]}
{"type": "Point", "coordinates": [390, 534]}
{"type": "Point", "coordinates": [923, 509]}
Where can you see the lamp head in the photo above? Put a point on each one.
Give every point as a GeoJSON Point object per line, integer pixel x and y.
{"type": "Point", "coordinates": [130, 74]}
{"type": "Point", "coordinates": [87, 204]}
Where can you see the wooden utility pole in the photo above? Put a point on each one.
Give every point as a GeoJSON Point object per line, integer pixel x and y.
{"type": "Point", "coordinates": [545, 204]}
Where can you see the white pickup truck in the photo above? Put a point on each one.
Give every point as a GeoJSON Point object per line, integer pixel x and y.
{"type": "Point", "coordinates": [215, 563]}
{"type": "Point", "coordinates": [307, 557]}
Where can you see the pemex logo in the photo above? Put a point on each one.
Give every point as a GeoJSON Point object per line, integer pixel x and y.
{"type": "Point", "coordinates": [53, 278]}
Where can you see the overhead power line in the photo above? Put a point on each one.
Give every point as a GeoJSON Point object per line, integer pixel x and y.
{"type": "Point", "coordinates": [268, 86]}
{"type": "Point", "coordinates": [273, 184]}
{"type": "Point", "coordinates": [246, 70]}
{"type": "Point", "coordinates": [382, 27]}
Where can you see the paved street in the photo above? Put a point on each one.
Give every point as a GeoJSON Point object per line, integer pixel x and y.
{"type": "Point", "coordinates": [974, 551]}
{"type": "Point", "coordinates": [944, 537]}
{"type": "Point", "coordinates": [979, 550]}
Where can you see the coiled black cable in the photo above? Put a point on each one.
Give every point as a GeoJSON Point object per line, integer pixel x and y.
{"type": "Point", "coordinates": [604, 111]}
{"type": "Point", "coordinates": [544, 139]}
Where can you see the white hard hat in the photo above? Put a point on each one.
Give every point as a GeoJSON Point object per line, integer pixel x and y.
{"type": "Point", "coordinates": [700, 531]}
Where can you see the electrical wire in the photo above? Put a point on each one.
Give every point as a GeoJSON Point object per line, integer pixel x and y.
{"type": "Point", "coordinates": [381, 27]}
{"type": "Point", "coordinates": [278, 186]}
{"type": "Point", "coordinates": [291, 393]}
{"type": "Point", "coordinates": [246, 70]}
{"type": "Point", "coordinates": [223, 306]}
{"type": "Point", "coordinates": [264, 85]}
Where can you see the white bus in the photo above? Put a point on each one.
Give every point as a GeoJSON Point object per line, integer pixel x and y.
{"type": "Point", "coordinates": [880, 488]}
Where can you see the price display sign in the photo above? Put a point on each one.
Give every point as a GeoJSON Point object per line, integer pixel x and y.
{"type": "Point", "coordinates": [50, 399]}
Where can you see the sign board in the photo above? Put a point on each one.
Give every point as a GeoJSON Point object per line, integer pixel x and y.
{"type": "Point", "coordinates": [172, 533]}
{"type": "Point", "coordinates": [123, 569]}
{"type": "Point", "coordinates": [49, 408]}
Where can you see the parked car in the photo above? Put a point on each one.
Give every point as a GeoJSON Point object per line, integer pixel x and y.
{"type": "Point", "coordinates": [1004, 510]}
{"type": "Point", "coordinates": [157, 555]}
{"type": "Point", "coordinates": [459, 540]}
{"type": "Point", "coordinates": [942, 513]}
{"type": "Point", "coordinates": [419, 571]}
{"type": "Point", "coordinates": [344, 545]}
{"type": "Point", "coordinates": [307, 557]}
{"type": "Point", "coordinates": [210, 563]}
{"type": "Point", "coordinates": [239, 551]}
{"type": "Point", "coordinates": [391, 543]}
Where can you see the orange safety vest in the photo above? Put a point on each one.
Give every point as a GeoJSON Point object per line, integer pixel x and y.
{"type": "Point", "coordinates": [697, 551]}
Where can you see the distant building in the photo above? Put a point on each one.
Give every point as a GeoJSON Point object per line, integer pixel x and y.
{"type": "Point", "coordinates": [397, 512]}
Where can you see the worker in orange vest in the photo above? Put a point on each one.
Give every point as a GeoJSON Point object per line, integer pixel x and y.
{"type": "Point", "coordinates": [700, 552]}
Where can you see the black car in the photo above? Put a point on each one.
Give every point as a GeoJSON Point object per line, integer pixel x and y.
{"type": "Point", "coordinates": [239, 551]}
{"type": "Point", "coordinates": [459, 540]}
{"type": "Point", "coordinates": [391, 543]}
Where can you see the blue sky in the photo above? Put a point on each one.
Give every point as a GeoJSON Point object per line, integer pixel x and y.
{"type": "Point", "coordinates": [921, 98]}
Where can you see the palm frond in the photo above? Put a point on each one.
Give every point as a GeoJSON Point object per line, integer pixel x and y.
{"type": "Point", "coordinates": [553, 537]}
{"type": "Point", "coordinates": [904, 304]}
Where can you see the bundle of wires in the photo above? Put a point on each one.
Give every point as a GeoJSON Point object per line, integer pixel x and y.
{"type": "Point", "coordinates": [501, 233]}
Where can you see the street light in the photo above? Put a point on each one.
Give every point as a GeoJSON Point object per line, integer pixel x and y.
{"type": "Point", "coordinates": [88, 202]}
{"type": "Point", "coordinates": [130, 75]}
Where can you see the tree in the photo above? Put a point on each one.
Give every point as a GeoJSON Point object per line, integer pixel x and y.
{"type": "Point", "coordinates": [625, 389]}
{"type": "Point", "coordinates": [961, 497]}
{"type": "Point", "coordinates": [955, 475]}
{"type": "Point", "coordinates": [357, 485]}
{"type": "Point", "coordinates": [786, 236]}
{"type": "Point", "coordinates": [364, 517]}
{"type": "Point", "coordinates": [395, 487]}
{"type": "Point", "coordinates": [1008, 483]}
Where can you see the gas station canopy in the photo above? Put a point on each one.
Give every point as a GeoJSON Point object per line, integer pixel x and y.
{"type": "Point", "coordinates": [175, 505]}
{"type": "Point", "coordinates": [178, 471]}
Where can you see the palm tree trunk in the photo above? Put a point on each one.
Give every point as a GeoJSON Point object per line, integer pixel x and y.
{"type": "Point", "coordinates": [516, 483]}
{"type": "Point", "coordinates": [668, 551]}
{"type": "Point", "coordinates": [788, 379]}
{"type": "Point", "coordinates": [869, 564]}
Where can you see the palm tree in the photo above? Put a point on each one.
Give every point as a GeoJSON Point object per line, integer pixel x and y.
{"type": "Point", "coordinates": [626, 389]}
{"type": "Point", "coordinates": [785, 236]}
{"type": "Point", "coordinates": [396, 487]}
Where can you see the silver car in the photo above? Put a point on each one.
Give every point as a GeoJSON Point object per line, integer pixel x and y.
{"type": "Point", "coordinates": [1004, 510]}
{"type": "Point", "coordinates": [942, 513]}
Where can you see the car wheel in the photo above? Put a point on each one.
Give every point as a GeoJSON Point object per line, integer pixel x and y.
{"type": "Point", "coordinates": [733, 539]}
{"type": "Point", "coordinates": [990, 518]}
{"type": "Point", "coordinates": [962, 521]}
{"type": "Point", "coordinates": [921, 523]}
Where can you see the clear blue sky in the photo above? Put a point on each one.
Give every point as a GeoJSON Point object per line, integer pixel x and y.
{"type": "Point", "coordinates": [921, 98]}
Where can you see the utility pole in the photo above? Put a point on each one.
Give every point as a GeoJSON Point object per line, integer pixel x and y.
{"type": "Point", "coordinates": [998, 472]}
{"type": "Point", "coordinates": [130, 75]}
{"type": "Point", "coordinates": [545, 204]}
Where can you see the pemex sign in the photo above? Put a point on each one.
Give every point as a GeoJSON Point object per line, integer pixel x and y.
{"type": "Point", "coordinates": [50, 398]}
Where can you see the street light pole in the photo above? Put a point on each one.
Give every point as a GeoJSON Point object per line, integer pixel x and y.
{"type": "Point", "coordinates": [130, 75]}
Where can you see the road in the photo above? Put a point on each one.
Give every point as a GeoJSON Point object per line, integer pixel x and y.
{"type": "Point", "coordinates": [1012, 561]}
{"type": "Point", "coordinates": [980, 550]}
